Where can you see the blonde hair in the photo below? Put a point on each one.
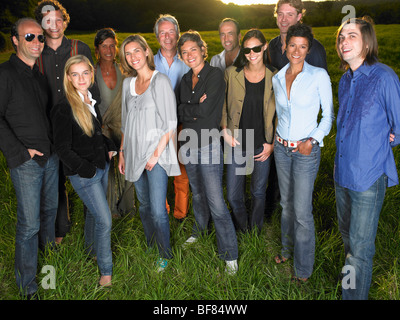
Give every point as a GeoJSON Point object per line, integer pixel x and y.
{"type": "Point", "coordinates": [127, 69]}
{"type": "Point", "coordinates": [80, 111]}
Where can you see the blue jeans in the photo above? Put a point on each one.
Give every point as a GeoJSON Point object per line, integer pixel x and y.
{"type": "Point", "coordinates": [205, 170]}
{"type": "Point", "coordinates": [151, 191]}
{"type": "Point", "coordinates": [358, 215]}
{"type": "Point", "coordinates": [296, 177]}
{"type": "Point", "coordinates": [98, 221]}
{"type": "Point", "coordinates": [236, 186]}
{"type": "Point", "coordinates": [36, 190]}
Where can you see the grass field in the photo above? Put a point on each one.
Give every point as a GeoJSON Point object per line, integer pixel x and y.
{"type": "Point", "coordinates": [196, 273]}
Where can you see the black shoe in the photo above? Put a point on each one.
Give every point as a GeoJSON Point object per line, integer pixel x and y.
{"type": "Point", "coordinates": [32, 296]}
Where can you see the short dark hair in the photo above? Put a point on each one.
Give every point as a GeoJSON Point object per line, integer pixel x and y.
{"type": "Point", "coordinates": [241, 60]}
{"type": "Point", "coordinates": [102, 35]}
{"type": "Point", "coordinates": [300, 30]}
{"type": "Point", "coordinates": [57, 6]}
{"type": "Point", "coordinates": [370, 43]}
{"type": "Point", "coordinates": [230, 20]}
{"type": "Point", "coordinates": [194, 36]}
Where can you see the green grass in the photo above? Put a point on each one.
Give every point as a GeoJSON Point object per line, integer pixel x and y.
{"type": "Point", "coordinates": [196, 273]}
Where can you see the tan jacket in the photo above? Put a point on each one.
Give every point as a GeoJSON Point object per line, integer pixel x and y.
{"type": "Point", "coordinates": [234, 97]}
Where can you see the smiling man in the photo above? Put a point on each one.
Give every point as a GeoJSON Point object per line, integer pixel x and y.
{"type": "Point", "coordinates": [26, 142]}
{"type": "Point", "coordinates": [54, 19]}
{"type": "Point", "coordinates": [368, 127]}
{"type": "Point", "coordinates": [229, 34]}
{"type": "Point", "coordinates": [288, 13]}
{"type": "Point", "coordinates": [167, 61]}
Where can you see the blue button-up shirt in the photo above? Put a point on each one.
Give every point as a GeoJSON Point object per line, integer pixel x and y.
{"type": "Point", "coordinates": [175, 72]}
{"type": "Point", "coordinates": [310, 92]}
{"type": "Point", "coordinates": [369, 110]}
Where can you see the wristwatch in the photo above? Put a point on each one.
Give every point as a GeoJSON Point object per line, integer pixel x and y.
{"type": "Point", "coordinates": [313, 141]}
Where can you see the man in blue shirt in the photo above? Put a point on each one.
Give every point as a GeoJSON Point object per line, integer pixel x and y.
{"type": "Point", "coordinates": [368, 127]}
{"type": "Point", "coordinates": [167, 61]}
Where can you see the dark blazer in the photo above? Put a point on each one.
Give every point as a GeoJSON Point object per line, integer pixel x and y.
{"type": "Point", "coordinates": [79, 153]}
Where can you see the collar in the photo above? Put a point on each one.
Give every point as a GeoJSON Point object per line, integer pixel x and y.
{"type": "Point", "coordinates": [21, 66]}
{"type": "Point", "coordinates": [202, 74]}
{"type": "Point", "coordinates": [281, 74]}
{"type": "Point", "coordinates": [65, 44]}
{"type": "Point", "coordinates": [92, 101]}
{"type": "Point", "coordinates": [364, 69]}
{"type": "Point", "coordinates": [162, 57]}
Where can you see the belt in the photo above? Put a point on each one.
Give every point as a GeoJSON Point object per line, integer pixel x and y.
{"type": "Point", "coordinates": [287, 143]}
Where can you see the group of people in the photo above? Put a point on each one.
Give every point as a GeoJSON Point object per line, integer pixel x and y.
{"type": "Point", "coordinates": [165, 115]}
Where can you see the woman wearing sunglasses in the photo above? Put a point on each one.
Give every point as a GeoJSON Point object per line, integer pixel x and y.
{"type": "Point", "coordinates": [85, 154]}
{"type": "Point", "coordinates": [248, 129]}
{"type": "Point", "coordinates": [301, 90]}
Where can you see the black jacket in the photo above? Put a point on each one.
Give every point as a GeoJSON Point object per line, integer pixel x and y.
{"type": "Point", "coordinates": [24, 111]}
{"type": "Point", "coordinates": [79, 153]}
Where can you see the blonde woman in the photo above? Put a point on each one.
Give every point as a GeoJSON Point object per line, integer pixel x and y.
{"type": "Point", "coordinates": [148, 154]}
{"type": "Point", "coordinates": [85, 154]}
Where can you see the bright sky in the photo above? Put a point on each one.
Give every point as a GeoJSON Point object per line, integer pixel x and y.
{"type": "Point", "coordinates": [240, 2]}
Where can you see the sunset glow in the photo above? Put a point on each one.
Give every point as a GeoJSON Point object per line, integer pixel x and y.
{"type": "Point", "coordinates": [248, 2]}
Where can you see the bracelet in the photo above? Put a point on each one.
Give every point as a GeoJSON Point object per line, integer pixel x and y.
{"type": "Point", "coordinates": [121, 150]}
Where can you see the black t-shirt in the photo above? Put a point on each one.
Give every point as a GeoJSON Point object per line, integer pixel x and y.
{"type": "Point", "coordinates": [252, 117]}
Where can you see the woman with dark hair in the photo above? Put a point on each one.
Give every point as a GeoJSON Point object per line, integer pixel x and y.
{"type": "Point", "coordinates": [147, 153]}
{"type": "Point", "coordinates": [109, 78]}
{"type": "Point", "coordinates": [200, 101]}
{"type": "Point", "coordinates": [85, 154]}
{"type": "Point", "coordinates": [248, 128]}
{"type": "Point", "coordinates": [301, 90]}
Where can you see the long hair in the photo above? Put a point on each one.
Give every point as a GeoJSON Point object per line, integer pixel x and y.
{"type": "Point", "coordinates": [369, 41]}
{"type": "Point", "coordinates": [241, 60]}
{"type": "Point", "coordinates": [80, 111]}
{"type": "Point", "coordinates": [126, 68]}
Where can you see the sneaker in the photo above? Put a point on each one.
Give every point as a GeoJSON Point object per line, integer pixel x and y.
{"type": "Point", "coordinates": [231, 267]}
{"type": "Point", "coordinates": [161, 264]}
{"type": "Point", "coordinates": [189, 241]}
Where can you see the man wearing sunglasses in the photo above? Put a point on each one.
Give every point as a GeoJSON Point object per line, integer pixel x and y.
{"type": "Point", "coordinates": [26, 142]}
{"type": "Point", "coordinates": [54, 20]}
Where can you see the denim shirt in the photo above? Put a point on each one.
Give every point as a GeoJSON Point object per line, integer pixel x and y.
{"type": "Point", "coordinates": [369, 110]}
{"type": "Point", "coordinates": [298, 116]}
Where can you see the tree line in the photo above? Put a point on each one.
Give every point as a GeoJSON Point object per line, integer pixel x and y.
{"type": "Point", "coordinates": [202, 15]}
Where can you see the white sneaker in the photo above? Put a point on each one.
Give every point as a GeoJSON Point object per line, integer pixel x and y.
{"type": "Point", "coordinates": [231, 267]}
{"type": "Point", "coordinates": [189, 241]}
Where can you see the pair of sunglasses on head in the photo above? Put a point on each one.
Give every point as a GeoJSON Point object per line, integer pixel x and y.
{"type": "Point", "coordinates": [30, 37]}
{"type": "Point", "coordinates": [256, 49]}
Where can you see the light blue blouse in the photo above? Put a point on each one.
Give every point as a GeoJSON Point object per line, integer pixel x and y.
{"type": "Point", "coordinates": [310, 92]}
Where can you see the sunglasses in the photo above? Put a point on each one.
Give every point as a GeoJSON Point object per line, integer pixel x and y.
{"type": "Point", "coordinates": [30, 36]}
{"type": "Point", "coordinates": [256, 49]}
